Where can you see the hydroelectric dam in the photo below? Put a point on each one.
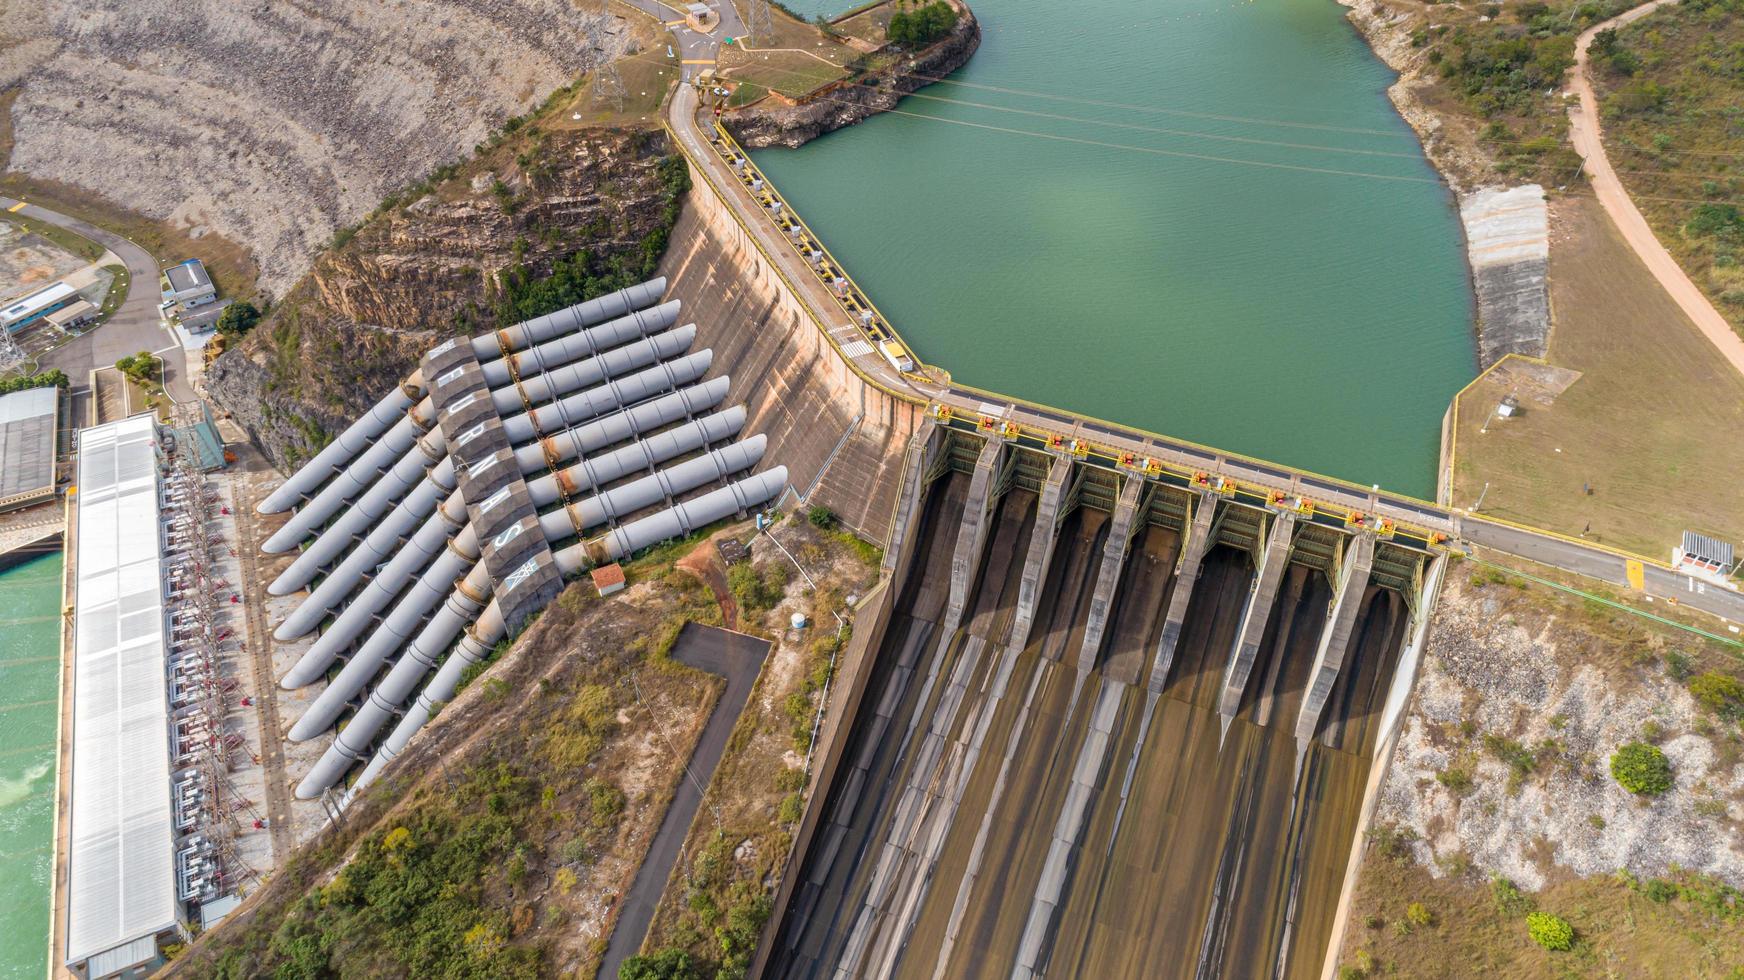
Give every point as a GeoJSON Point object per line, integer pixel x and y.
{"type": "Point", "coordinates": [1116, 708]}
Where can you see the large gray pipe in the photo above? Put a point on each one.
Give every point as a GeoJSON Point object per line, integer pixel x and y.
{"type": "Point", "coordinates": [361, 433]}
{"type": "Point", "coordinates": [434, 582]}
{"type": "Point", "coordinates": [471, 591]}
{"type": "Point", "coordinates": [415, 508]}
{"type": "Point", "coordinates": [356, 437]}
{"type": "Point", "coordinates": [505, 396]}
{"type": "Point", "coordinates": [354, 739]}
{"type": "Point", "coordinates": [393, 485]}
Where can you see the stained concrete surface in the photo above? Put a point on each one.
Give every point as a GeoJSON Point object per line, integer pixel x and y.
{"type": "Point", "coordinates": [1005, 810]}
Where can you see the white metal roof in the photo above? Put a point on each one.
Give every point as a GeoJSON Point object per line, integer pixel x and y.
{"type": "Point", "coordinates": [121, 862]}
{"type": "Point", "coordinates": [35, 302]}
{"type": "Point", "coordinates": [27, 441]}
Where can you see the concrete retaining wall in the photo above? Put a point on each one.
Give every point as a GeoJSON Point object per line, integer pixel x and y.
{"type": "Point", "coordinates": [1507, 234]}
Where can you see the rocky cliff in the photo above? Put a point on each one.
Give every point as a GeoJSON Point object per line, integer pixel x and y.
{"type": "Point", "coordinates": [543, 220]}
{"type": "Point", "coordinates": [276, 123]}
{"type": "Point", "coordinates": [772, 122]}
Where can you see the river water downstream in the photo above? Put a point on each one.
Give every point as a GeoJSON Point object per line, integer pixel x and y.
{"type": "Point", "coordinates": [30, 601]}
{"type": "Point", "coordinates": [1199, 217]}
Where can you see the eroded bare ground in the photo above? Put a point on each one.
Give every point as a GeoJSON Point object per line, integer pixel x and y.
{"type": "Point", "coordinates": [274, 124]}
{"type": "Point", "coordinates": [1500, 798]}
{"type": "Point", "coordinates": [1569, 684]}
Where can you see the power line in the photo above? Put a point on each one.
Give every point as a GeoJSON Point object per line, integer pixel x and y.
{"type": "Point", "coordinates": [1167, 132]}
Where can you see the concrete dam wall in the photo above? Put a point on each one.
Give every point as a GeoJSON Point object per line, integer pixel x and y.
{"type": "Point", "coordinates": [1056, 768]}
{"type": "Point", "coordinates": [841, 438]}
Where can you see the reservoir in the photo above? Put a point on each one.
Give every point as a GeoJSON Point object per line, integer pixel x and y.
{"type": "Point", "coordinates": [30, 600]}
{"type": "Point", "coordinates": [1199, 217]}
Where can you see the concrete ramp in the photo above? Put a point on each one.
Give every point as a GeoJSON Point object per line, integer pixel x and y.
{"type": "Point", "coordinates": [1335, 639]}
{"type": "Point", "coordinates": [966, 561]}
{"type": "Point", "coordinates": [1108, 576]}
{"type": "Point", "coordinates": [1192, 553]}
{"type": "Point", "coordinates": [1049, 513]}
{"type": "Point", "coordinates": [1259, 610]}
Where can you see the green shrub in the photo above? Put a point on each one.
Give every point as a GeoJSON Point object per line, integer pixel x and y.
{"type": "Point", "coordinates": [1550, 931]}
{"type": "Point", "coordinates": [791, 808]}
{"type": "Point", "coordinates": [1457, 780]}
{"type": "Point", "coordinates": [668, 964]}
{"type": "Point", "coordinates": [1507, 896]}
{"type": "Point", "coordinates": [756, 591]}
{"type": "Point", "coordinates": [1720, 693]}
{"type": "Point", "coordinates": [1418, 914]}
{"type": "Point", "coordinates": [821, 517]}
{"type": "Point", "coordinates": [1641, 769]}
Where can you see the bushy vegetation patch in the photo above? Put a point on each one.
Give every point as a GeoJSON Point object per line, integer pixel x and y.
{"type": "Point", "coordinates": [54, 377]}
{"type": "Point", "coordinates": [1551, 932]}
{"type": "Point", "coordinates": [1641, 769]}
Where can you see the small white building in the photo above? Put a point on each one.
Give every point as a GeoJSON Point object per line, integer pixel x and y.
{"type": "Point", "coordinates": [73, 315]}
{"type": "Point", "coordinates": [1704, 557]}
{"type": "Point", "coordinates": [188, 284]}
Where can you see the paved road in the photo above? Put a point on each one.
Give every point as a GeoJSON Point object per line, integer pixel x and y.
{"type": "Point", "coordinates": [1584, 130]}
{"type": "Point", "coordinates": [697, 50]}
{"type": "Point", "coordinates": [738, 658]}
{"type": "Point", "coordinates": [133, 328]}
{"type": "Point", "coordinates": [1547, 549]}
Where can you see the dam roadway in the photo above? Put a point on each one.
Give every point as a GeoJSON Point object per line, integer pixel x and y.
{"type": "Point", "coordinates": [703, 144]}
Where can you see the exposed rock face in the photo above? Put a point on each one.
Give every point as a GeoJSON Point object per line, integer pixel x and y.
{"type": "Point", "coordinates": [1507, 243]}
{"type": "Point", "coordinates": [1500, 667]}
{"type": "Point", "coordinates": [773, 123]}
{"type": "Point", "coordinates": [276, 123]}
{"type": "Point", "coordinates": [1450, 142]}
{"type": "Point", "coordinates": [356, 325]}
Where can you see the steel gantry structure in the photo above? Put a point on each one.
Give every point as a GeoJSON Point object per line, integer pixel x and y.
{"type": "Point", "coordinates": [453, 508]}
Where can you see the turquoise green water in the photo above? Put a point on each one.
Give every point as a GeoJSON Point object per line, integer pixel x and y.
{"type": "Point", "coordinates": [30, 601]}
{"type": "Point", "coordinates": [1198, 217]}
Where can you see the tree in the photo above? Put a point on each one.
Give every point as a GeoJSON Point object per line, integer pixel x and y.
{"type": "Point", "coordinates": [238, 319]}
{"type": "Point", "coordinates": [140, 367]}
{"type": "Point", "coordinates": [1641, 769]}
{"type": "Point", "coordinates": [1550, 931]}
{"type": "Point", "coordinates": [668, 964]}
{"type": "Point", "coordinates": [922, 25]}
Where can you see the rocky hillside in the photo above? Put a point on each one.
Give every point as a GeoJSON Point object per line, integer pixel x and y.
{"type": "Point", "coordinates": [274, 124]}
{"type": "Point", "coordinates": [541, 221]}
{"type": "Point", "coordinates": [773, 122]}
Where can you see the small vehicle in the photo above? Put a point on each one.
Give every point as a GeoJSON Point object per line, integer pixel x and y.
{"type": "Point", "coordinates": [897, 357]}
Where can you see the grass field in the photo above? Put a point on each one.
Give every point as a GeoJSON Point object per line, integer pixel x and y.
{"type": "Point", "coordinates": [1670, 93]}
{"type": "Point", "coordinates": [798, 61]}
{"type": "Point", "coordinates": [61, 238]}
{"type": "Point", "coordinates": [647, 73]}
{"type": "Point", "coordinates": [1619, 931]}
{"type": "Point", "coordinates": [1651, 425]}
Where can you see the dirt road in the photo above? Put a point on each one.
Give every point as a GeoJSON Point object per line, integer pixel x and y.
{"type": "Point", "coordinates": [1585, 132]}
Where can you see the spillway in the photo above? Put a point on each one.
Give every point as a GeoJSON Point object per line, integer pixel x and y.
{"type": "Point", "coordinates": [1101, 794]}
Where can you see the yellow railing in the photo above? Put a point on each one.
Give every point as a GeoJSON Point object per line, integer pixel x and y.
{"type": "Point", "coordinates": [903, 394]}
{"type": "Point", "coordinates": [729, 149]}
{"type": "Point", "coordinates": [862, 300]}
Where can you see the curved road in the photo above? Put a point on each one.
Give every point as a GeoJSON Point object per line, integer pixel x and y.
{"type": "Point", "coordinates": [1586, 134]}
{"type": "Point", "coordinates": [133, 328]}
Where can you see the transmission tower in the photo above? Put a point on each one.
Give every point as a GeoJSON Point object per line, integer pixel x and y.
{"type": "Point", "coordinates": [608, 85]}
{"type": "Point", "coordinates": [10, 353]}
{"type": "Point", "coordinates": [759, 21]}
